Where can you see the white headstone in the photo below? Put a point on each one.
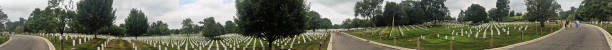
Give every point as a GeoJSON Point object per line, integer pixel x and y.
{"type": "Point", "coordinates": [73, 43]}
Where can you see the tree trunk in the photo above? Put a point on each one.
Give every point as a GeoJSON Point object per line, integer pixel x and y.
{"type": "Point", "coordinates": [270, 40]}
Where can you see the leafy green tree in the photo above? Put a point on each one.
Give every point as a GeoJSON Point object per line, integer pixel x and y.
{"type": "Point", "coordinates": [113, 30]}
{"type": "Point", "coordinates": [11, 26]}
{"type": "Point", "coordinates": [566, 14]}
{"type": "Point", "coordinates": [325, 23]}
{"type": "Point", "coordinates": [502, 10]}
{"type": "Point", "coordinates": [393, 11]}
{"type": "Point", "coordinates": [136, 23]}
{"type": "Point", "coordinates": [230, 27]}
{"type": "Point", "coordinates": [435, 10]}
{"type": "Point", "coordinates": [414, 13]}
{"type": "Point", "coordinates": [95, 14]}
{"type": "Point", "coordinates": [313, 19]}
{"type": "Point", "coordinates": [211, 27]}
{"type": "Point", "coordinates": [159, 28]}
{"type": "Point", "coordinates": [542, 10]}
{"type": "Point", "coordinates": [368, 9]}
{"type": "Point", "coordinates": [283, 18]}
{"type": "Point", "coordinates": [461, 17]}
{"type": "Point", "coordinates": [492, 14]}
{"type": "Point", "coordinates": [600, 10]}
{"type": "Point", "coordinates": [188, 26]}
{"type": "Point", "coordinates": [476, 14]}
{"type": "Point", "coordinates": [3, 19]}
{"type": "Point", "coordinates": [42, 21]}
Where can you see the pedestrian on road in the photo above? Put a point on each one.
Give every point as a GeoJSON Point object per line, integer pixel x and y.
{"type": "Point", "coordinates": [577, 23]}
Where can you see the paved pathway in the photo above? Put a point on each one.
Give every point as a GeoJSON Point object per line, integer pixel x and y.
{"type": "Point", "coordinates": [584, 38]}
{"type": "Point", "coordinates": [346, 42]}
{"type": "Point", "coordinates": [25, 42]}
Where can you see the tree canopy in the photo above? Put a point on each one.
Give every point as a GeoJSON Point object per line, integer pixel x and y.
{"type": "Point", "coordinates": [542, 10]}
{"type": "Point", "coordinates": [282, 18]}
{"type": "Point", "coordinates": [136, 23]}
{"type": "Point", "coordinates": [95, 14]}
{"type": "Point", "coordinates": [476, 14]}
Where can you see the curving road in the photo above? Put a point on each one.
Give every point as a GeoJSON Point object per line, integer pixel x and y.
{"type": "Point", "coordinates": [25, 42]}
{"type": "Point", "coordinates": [587, 37]}
{"type": "Point", "coordinates": [345, 42]}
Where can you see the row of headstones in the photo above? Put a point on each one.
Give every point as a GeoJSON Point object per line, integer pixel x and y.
{"type": "Point", "coordinates": [402, 28]}
{"type": "Point", "coordinates": [76, 39]}
{"type": "Point", "coordinates": [193, 43]}
{"type": "Point", "coordinates": [485, 30]}
{"type": "Point", "coordinates": [103, 46]}
{"type": "Point", "coordinates": [299, 39]}
{"type": "Point", "coordinates": [233, 42]}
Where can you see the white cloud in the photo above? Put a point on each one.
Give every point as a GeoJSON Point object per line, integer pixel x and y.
{"type": "Point", "coordinates": [16, 9]}
{"type": "Point", "coordinates": [171, 12]}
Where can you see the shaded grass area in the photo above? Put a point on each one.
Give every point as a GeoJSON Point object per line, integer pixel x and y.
{"type": "Point", "coordinates": [115, 44]}
{"type": "Point", "coordinates": [3, 38]}
{"type": "Point", "coordinates": [67, 44]}
{"type": "Point", "coordinates": [432, 42]}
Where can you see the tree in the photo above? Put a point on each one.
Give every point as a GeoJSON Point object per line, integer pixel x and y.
{"type": "Point", "coordinates": [136, 23]}
{"type": "Point", "coordinates": [113, 30]}
{"type": "Point", "coordinates": [211, 27]}
{"type": "Point", "coordinates": [414, 13]}
{"type": "Point", "coordinates": [230, 27]}
{"type": "Point", "coordinates": [492, 14]}
{"type": "Point", "coordinates": [368, 9]}
{"type": "Point", "coordinates": [435, 10]}
{"type": "Point", "coordinates": [283, 18]}
{"type": "Point", "coordinates": [502, 10]}
{"type": "Point", "coordinates": [42, 21]}
{"type": "Point", "coordinates": [188, 26]}
{"type": "Point", "coordinates": [476, 14]}
{"type": "Point", "coordinates": [11, 26]}
{"type": "Point", "coordinates": [542, 10]}
{"type": "Point", "coordinates": [313, 19]}
{"type": "Point", "coordinates": [392, 11]}
{"type": "Point", "coordinates": [159, 28]}
{"type": "Point", "coordinates": [3, 19]}
{"type": "Point", "coordinates": [597, 9]}
{"type": "Point", "coordinates": [325, 23]}
{"type": "Point", "coordinates": [566, 14]}
{"type": "Point", "coordinates": [95, 14]}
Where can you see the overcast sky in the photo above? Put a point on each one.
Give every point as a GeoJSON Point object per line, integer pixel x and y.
{"type": "Point", "coordinates": [174, 11]}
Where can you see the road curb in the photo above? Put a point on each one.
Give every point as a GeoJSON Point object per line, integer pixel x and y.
{"type": "Point", "coordinates": [10, 38]}
{"type": "Point", "coordinates": [527, 42]}
{"type": "Point", "coordinates": [606, 35]}
{"type": "Point", "coordinates": [330, 42]}
{"type": "Point", "coordinates": [384, 45]}
{"type": "Point", "coordinates": [51, 47]}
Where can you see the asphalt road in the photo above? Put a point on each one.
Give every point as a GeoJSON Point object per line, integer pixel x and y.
{"type": "Point", "coordinates": [584, 38]}
{"type": "Point", "coordinates": [346, 42]}
{"type": "Point", "coordinates": [25, 42]}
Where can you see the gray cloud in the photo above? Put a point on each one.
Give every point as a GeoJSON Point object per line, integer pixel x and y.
{"type": "Point", "coordinates": [223, 10]}
{"type": "Point", "coordinates": [16, 9]}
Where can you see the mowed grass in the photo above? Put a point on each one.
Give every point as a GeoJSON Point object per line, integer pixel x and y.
{"type": "Point", "coordinates": [3, 38]}
{"type": "Point", "coordinates": [603, 26]}
{"type": "Point", "coordinates": [115, 44]}
{"type": "Point", "coordinates": [67, 44]}
{"type": "Point", "coordinates": [314, 45]}
{"type": "Point", "coordinates": [432, 42]}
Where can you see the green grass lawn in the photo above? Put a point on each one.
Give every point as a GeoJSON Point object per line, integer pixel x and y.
{"type": "Point", "coordinates": [115, 44]}
{"type": "Point", "coordinates": [67, 44]}
{"type": "Point", "coordinates": [432, 42]}
{"type": "Point", "coordinates": [3, 38]}
{"type": "Point", "coordinates": [603, 26]}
